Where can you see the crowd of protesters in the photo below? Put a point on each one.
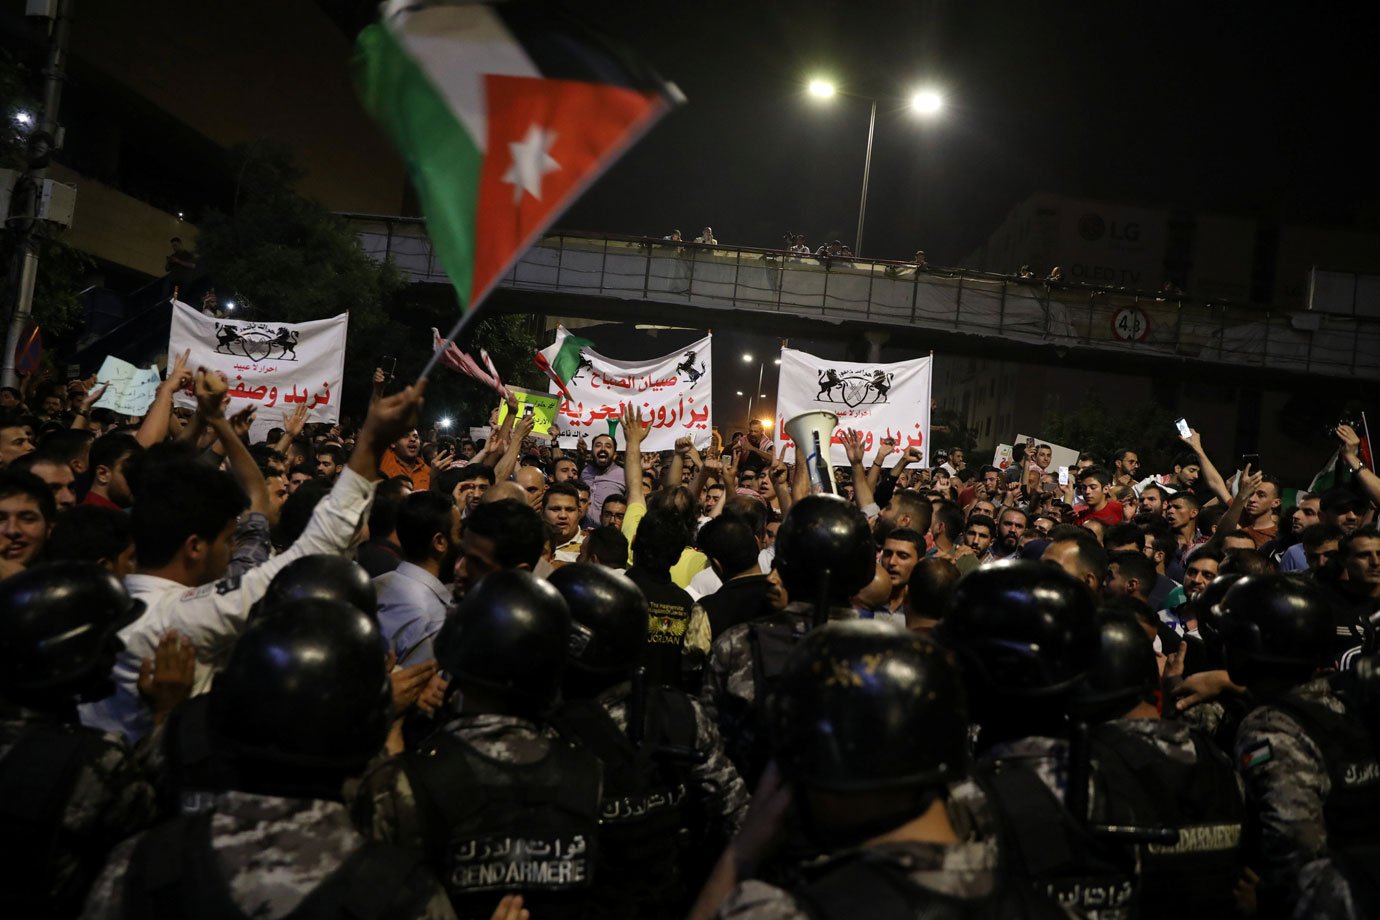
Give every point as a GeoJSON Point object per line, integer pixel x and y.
{"type": "Point", "coordinates": [384, 671]}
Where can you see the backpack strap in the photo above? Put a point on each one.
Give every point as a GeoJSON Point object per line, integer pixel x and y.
{"type": "Point", "coordinates": [1035, 819]}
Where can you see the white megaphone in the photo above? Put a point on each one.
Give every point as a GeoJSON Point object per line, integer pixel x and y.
{"type": "Point", "coordinates": [812, 433]}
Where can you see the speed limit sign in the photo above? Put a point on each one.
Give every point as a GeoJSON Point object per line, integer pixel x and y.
{"type": "Point", "coordinates": [1130, 324]}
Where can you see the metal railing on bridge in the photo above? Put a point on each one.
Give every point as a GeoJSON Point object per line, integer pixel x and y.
{"type": "Point", "coordinates": [897, 294]}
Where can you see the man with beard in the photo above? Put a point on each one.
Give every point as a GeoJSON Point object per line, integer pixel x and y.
{"type": "Point", "coordinates": [1125, 465]}
{"type": "Point", "coordinates": [982, 530]}
{"type": "Point", "coordinates": [413, 598]}
{"type": "Point", "coordinates": [603, 476]}
{"type": "Point", "coordinates": [109, 487]}
{"type": "Point", "coordinates": [1153, 499]}
{"type": "Point", "coordinates": [1340, 508]}
{"type": "Point", "coordinates": [907, 509]}
{"type": "Point", "coordinates": [757, 449]}
{"type": "Point", "coordinates": [1010, 526]}
{"type": "Point", "coordinates": [404, 458]}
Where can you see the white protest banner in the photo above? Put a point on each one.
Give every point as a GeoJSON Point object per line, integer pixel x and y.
{"type": "Point", "coordinates": [672, 392]}
{"type": "Point", "coordinates": [274, 367]}
{"type": "Point", "coordinates": [879, 400]}
{"type": "Point", "coordinates": [129, 390]}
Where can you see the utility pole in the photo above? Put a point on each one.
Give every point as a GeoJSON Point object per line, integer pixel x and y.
{"type": "Point", "coordinates": [29, 190]}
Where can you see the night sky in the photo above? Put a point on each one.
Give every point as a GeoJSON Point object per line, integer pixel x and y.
{"type": "Point", "coordinates": [1212, 106]}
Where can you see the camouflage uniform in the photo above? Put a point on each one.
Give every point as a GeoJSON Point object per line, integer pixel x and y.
{"type": "Point", "coordinates": [1287, 785]}
{"type": "Point", "coordinates": [272, 853]}
{"type": "Point", "coordinates": [967, 870]}
{"type": "Point", "coordinates": [722, 791]}
{"type": "Point", "coordinates": [386, 806]}
{"type": "Point", "coordinates": [729, 690]}
{"type": "Point", "coordinates": [108, 801]}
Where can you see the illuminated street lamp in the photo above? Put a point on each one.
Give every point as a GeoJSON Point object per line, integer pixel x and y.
{"type": "Point", "coordinates": [925, 102]}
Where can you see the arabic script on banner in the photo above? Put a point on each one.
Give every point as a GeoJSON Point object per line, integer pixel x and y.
{"type": "Point", "coordinates": [673, 394]}
{"type": "Point", "coordinates": [882, 401]}
{"type": "Point", "coordinates": [274, 367]}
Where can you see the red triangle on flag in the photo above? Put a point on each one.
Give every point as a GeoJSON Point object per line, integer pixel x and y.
{"type": "Point", "coordinates": [546, 140]}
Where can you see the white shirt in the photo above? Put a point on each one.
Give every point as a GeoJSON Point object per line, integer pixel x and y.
{"type": "Point", "coordinates": [213, 615]}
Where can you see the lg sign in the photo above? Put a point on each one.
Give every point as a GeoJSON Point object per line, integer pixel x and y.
{"type": "Point", "coordinates": [1092, 228]}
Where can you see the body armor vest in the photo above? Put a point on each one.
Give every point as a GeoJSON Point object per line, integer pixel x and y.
{"type": "Point", "coordinates": [496, 828]}
{"type": "Point", "coordinates": [1194, 877]}
{"type": "Point", "coordinates": [1055, 853]}
{"type": "Point", "coordinates": [647, 810]}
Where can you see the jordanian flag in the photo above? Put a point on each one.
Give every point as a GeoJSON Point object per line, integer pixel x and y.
{"type": "Point", "coordinates": [504, 115]}
{"type": "Point", "coordinates": [561, 359]}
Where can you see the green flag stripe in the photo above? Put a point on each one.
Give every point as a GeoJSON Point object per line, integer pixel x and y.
{"type": "Point", "coordinates": [568, 358]}
{"type": "Point", "coordinates": [441, 156]}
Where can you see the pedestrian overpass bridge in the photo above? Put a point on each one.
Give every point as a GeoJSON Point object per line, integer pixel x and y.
{"type": "Point", "coordinates": [693, 283]}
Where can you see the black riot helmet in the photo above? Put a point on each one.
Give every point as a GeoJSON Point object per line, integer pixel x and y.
{"type": "Point", "coordinates": [824, 550]}
{"type": "Point", "coordinates": [57, 632]}
{"type": "Point", "coordinates": [1207, 608]}
{"type": "Point", "coordinates": [1275, 628]}
{"type": "Point", "coordinates": [1022, 628]}
{"type": "Point", "coordinates": [307, 691]}
{"type": "Point", "coordinates": [509, 636]}
{"type": "Point", "coordinates": [1123, 674]}
{"type": "Point", "coordinates": [862, 706]}
{"type": "Point", "coordinates": [320, 577]}
{"type": "Point", "coordinates": [609, 614]}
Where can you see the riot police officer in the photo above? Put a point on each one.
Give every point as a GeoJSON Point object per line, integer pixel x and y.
{"type": "Point", "coordinates": [189, 761]}
{"type": "Point", "coordinates": [321, 577]}
{"type": "Point", "coordinates": [1308, 757]}
{"type": "Point", "coordinates": [493, 800]}
{"type": "Point", "coordinates": [302, 705]}
{"type": "Point", "coordinates": [669, 792]}
{"type": "Point", "coordinates": [824, 555]}
{"type": "Point", "coordinates": [1161, 774]}
{"type": "Point", "coordinates": [869, 731]}
{"type": "Point", "coordinates": [67, 793]}
{"type": "Point", "coordinates": [1026, 634]}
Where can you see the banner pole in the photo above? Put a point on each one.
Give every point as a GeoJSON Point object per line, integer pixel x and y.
{"type": "Point", "coordinates": [450, 337]}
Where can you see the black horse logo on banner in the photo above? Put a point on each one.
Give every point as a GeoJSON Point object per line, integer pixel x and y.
{"type": "Point", "coordinates": [256, 341]}
{"type": "Point", "coordinates": [854, 388]}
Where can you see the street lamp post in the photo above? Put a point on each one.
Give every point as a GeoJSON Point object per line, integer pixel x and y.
{"type": "Point", "coordinates": [924, 102]}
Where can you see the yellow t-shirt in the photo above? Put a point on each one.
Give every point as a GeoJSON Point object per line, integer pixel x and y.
{"type": "Point", "coordinates": [691, 561]}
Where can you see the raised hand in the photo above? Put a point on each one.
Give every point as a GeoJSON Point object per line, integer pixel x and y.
{"type": "Point", "coordinates": [1350, 440]}
{"type": "Point", "coordinates": [179, 376]}
{"type": "Point", "coordinates": [242, 421]}
{"type": "Point", "coordinates": [210, 389]}
{"type": "Point", "coordinates": [442, 461]}
{"type": "Point", "coordinates": [166, 679]}
{"type": "Point", "coordinates": [391, 417]}
{"type": "Point", "coordinates": [853, 445]}
{"type": "Point", "coordinates": [295, 421]}
{"type": "Point", "coordinates": [634, 428]}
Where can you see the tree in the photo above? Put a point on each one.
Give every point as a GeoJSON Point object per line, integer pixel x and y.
{"type": "Point", "coordinates": [1148, 429]}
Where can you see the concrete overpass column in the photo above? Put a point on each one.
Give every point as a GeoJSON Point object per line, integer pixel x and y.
{"type": "Point", "coordinates": [876, 338]}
